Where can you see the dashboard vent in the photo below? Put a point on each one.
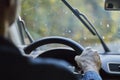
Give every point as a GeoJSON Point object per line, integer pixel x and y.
{"type": "Point", "coordinates": [114, 67]}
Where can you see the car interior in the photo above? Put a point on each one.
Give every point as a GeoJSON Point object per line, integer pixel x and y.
{"type": "Point", "coordinates": [96, 24]}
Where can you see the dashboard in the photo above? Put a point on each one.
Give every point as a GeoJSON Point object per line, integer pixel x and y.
{"type": "Point", "coordinates": [110, 69]}
{"type": "Point", "coordinates": [110, 66]}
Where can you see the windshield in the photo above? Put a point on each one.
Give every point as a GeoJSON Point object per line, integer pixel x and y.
{"type": "Point", "coordinates": [45, 18]}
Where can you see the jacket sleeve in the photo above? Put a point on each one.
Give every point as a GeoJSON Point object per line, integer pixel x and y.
{"type": "Point", "coordinates": [91, 75]}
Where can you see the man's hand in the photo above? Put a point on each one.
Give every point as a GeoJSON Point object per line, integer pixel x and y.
{"type": "Point", "coordinates": [89, 60]}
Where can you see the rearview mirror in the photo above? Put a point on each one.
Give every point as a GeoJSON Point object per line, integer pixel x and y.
{"type": "Point", "coordinates": [112, 5]}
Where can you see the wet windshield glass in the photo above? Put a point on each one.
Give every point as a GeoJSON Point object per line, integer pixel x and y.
{"type": "Point", "coordinates": [52, 18]}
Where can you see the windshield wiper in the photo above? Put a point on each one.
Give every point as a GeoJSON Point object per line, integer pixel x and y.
{"type": "Point", "coordinates": [22, 24]}
{"type": "Point", "coordinates": [87, 24]}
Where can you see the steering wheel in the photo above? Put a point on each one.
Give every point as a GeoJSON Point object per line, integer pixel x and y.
{"type": "Point", "coordinates": [65, 54]}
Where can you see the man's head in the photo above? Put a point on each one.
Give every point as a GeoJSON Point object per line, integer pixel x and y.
{"type": "Point", "coordinates": [8, 11]}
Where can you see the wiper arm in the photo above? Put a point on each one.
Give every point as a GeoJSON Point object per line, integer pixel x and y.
{"type": "Point", "coordinates": [22, 24]}
{"type": "Point", "coordinates": [93, 28]}
{"type": "Point", "coordinates": [87, 24]}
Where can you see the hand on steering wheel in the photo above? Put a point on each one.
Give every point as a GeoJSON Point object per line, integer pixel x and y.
{"type": "Point", "coordinates": [89, 60]}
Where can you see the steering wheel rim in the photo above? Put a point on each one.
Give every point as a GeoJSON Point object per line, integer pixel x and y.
{"type": "Point", "coordinates": [54, 39]}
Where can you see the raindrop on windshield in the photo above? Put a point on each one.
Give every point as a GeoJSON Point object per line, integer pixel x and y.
{"type": "Point", "coordinates": [85, 38]}
{"type": "Point", "coordinates": [69, 31]}
{"type": "Point", "coordinates": [101, 23]}
{"type": "Point", "coordinates": [108, 25]}
{"type": "Point", "coordinates": [66, 12]}
{"type": "Point", "coordinates": [103, 37]}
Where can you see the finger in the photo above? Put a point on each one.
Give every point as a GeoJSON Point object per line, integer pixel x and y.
{"type": "Point", "coordinates": [87, 51]}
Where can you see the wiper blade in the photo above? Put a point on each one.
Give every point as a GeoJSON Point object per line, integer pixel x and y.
{"type": "Point", "coordinates": [75, 12]}
{"type": "Point", "coordinates": [87, 24]}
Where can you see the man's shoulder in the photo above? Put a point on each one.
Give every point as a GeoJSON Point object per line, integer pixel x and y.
{"type": "Point", "coordinates": [7, 45]}
{"type": "Point", "coordinates": [9, 52]}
